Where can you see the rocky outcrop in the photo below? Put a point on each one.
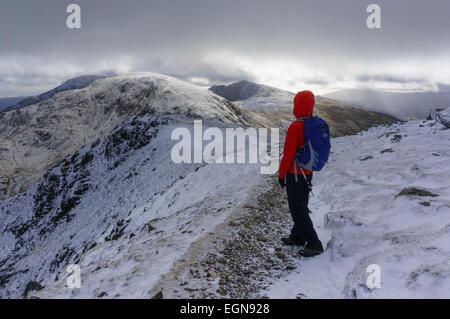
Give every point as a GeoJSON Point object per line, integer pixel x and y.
{"type": "Point", "coordinates": [36, 138]}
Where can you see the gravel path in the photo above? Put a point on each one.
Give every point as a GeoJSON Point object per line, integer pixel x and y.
{"type": "Point", "coordinates": [242, 256]}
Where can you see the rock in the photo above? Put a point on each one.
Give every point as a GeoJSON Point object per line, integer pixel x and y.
{"type": "Point", "coordinates": [148, 227]}
{"type": "Point", "coordinates": [260, 237]}
{"type": "Point", "coordinates": [104, 294]}
{"type": "Point", "coordinates": [32, 286]}
{"type": "Point", "coordinates": [366, 158]}
{"type": "Point", "coordinates": [427, 204]}
{"type": "Point", "coordinates": [334, 221]}
{"type": "Point", "coordinates": [250, 206]}
{"type": "Point", "coordinates": [414, 191]}
{"type": "Point", "coordinates": [213, 274]}
{"type": "Point", "coordinates": [387, 150]}
{"type": "Point", "coordinates": [290, 267]}
{"type": "Point", "coordinates": [221, 292]}
{"type": "Point", "coordinates": [281, 255]}
{"type": "Point", "coordinates": [433, 114]}
{"type": "Point", "coordinates": [444, 117]}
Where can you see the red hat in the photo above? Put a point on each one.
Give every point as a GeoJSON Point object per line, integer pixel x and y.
{"type": "Point", "coordinates": [304, 104]}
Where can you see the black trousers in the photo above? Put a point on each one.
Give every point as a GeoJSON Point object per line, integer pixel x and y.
{"type": "Point", "coordinates": [298, 198]}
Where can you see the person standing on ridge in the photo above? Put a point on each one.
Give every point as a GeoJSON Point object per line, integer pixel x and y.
{"type": "Point", "coordinates": [297, 188]}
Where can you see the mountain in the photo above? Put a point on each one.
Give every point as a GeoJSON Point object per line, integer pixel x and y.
{"type": "Point", "coordinates": [400, 105]}
{"type": "Point", "coordinates": [139, 225]}
{"type": "Point", "coordinates": [72, 84]}
{"type": "Point", "coordinates": [256, 97]}
{"type": "Point", "coordinates": [105, 194]}
{"type": "Point", "coordinates": [119, 207]}
{"type": "Point", "coordinates": [36, 138]}
{"type": "Point", "coordinates": [7, 102]}
{"type": "Point", "coordinates": [274, 107]}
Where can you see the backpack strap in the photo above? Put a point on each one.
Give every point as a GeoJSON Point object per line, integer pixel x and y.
{"type": "Point", "coordinates": [304, 176]}
{"type": "Point", "coordinates": [301, 119]}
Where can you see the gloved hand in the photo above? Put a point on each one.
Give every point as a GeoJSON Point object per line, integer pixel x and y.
{"type": "Point", "coordinates": [282, 182]}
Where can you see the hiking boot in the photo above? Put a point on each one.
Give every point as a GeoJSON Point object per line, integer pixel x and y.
{"type": "Point", "coordinates": [290, 242]}
{"type": "Point", "coordinates": [309, 252]}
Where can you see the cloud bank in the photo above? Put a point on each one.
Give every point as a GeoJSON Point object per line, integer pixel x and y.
{"type": "Point", "coordinates": [320, 45]}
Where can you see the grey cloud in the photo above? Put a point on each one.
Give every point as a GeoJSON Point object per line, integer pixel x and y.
{"type": "Point", "coordinates": [175, 37]}
{"type": "Point", "coordinates": [388, 78]}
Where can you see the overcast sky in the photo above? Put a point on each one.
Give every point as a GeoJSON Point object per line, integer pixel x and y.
{"type": "Point", "coordinates": [317, 45]}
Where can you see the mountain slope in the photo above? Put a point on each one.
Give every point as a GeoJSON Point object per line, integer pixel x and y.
{"type": "Point", "coordinates": [7, 102]}
{"type": "Point", "coordinates": [274, 107]}
{"type": "Point", "coordinates": [372, 207]}
{"type": "Point", "coordinates": [400, 105]}
{"type": "Point", "coordinates": [235, 252]}
{"type": "Point", "coordinates": [72, 84]}
{"type": "Point", "coordinates": [120, 208]}
{"type": "Point", "coordinates": [36, 138]}
{"type": "Point", "coordinates": [256, 97]}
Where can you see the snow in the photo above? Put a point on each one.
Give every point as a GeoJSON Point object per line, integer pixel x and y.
{"type": "Point", "coordinates": [115, 203]}
{"type": "Point", "coordinates": [38, 137]}
{"type": "Point", "coordinates": [257, 97]}
{"type": "Point", "coordinates": [358, 214]}
{"type": "Point", "coordinates": [131, 183]}
{"type": "Point", "coordinates": [72, 84]}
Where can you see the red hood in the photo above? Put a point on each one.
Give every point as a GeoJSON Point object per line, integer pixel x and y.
{"type": "Point", "coordinates": [304, 104]}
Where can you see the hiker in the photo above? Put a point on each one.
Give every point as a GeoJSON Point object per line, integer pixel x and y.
{"type": "Point", "coordinates": [298, 187]}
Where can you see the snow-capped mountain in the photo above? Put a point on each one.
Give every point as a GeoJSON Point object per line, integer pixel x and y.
{"type": "Point", "coordinates": [274, 107]}
{"type": "Point", "coordinates": [36, 138]}
{"type": "Point", "coordinates": [257, 97]}
{"type": "Point", "coordinates": [72, 84]}
{"type": "Point", "coordinates": [401, 105]}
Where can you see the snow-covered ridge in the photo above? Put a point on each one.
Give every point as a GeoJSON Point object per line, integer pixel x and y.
{"type": "Point", "coordinates": [72, 84]}
{"type": "Point", "coordinates": [255, 96]}
{"type": "Point", "coordinates": [120, 208]}
{"type": "Point", "coordinates": [36, 138]}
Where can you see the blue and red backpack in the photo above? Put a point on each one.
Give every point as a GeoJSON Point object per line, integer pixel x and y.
{"type": "Point", "coordinates": [314, 155]}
